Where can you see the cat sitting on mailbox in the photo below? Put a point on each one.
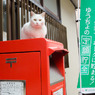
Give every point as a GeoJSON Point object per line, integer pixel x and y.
{"type": "Point", "coordinates": [35, 28]}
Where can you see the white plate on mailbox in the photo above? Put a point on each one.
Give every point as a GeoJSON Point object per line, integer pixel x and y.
{"type": "Point", "coordinates": [11, 88]}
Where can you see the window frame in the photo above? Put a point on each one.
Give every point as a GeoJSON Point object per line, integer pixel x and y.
{"type": "Point", "coordinates": [41, 4]}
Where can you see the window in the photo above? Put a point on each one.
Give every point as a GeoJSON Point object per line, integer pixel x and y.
{"type": "Point", "coordinates": [37, 1]}
{"type": "Point", "coordinates": [4, 21]}
{"type": "Point", "coordinates": [51, 6]}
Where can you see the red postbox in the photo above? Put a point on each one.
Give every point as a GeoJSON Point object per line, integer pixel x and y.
{"type": "Point", "coordinates": [32, 67]}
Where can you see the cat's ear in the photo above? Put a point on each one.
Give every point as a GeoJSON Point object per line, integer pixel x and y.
{"type": "Point", "coordinates": [32, 13]}
{"type": "Point", "coordinates": [43, 14]}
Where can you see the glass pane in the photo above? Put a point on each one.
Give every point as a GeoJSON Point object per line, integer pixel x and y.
{"type": "Point", "coordinates": [38, 0]}
{"type": "Point", "coordinates": [4, 21]}
{"type": "Point", "coordinates": [51, 5]}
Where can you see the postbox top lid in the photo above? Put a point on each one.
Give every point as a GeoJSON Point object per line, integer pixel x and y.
{"type": "Point", "coordinates": [38, 44]}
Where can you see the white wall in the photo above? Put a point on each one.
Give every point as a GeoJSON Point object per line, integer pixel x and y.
{"type": "Point", "coordinates": [68, 20]}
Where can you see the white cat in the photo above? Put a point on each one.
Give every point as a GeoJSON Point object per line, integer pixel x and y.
{"type": "Point", "coordinates": [35, 28]}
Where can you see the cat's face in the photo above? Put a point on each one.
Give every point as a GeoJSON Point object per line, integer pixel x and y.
{"type": "Point", "coordinates": [37, 20]}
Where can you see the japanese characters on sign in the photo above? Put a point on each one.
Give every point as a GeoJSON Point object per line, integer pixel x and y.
{"type": "Point", "coordinates": [87, 46]}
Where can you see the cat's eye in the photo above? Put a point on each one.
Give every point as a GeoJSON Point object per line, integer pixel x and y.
{"type": "Point", "coordinates": [40, 19]}
{"type": "Point", "coordinates": [35, 19]}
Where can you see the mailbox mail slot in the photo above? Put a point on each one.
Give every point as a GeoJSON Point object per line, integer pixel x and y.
{"type": "Point", "coordinates": [32, 67]}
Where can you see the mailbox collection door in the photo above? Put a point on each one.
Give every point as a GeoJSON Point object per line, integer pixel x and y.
{"type": "Point", "coordinates": [20, 70]}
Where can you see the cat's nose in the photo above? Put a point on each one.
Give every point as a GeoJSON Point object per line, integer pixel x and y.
{"type": "Point", "coordinates": [37, 23]}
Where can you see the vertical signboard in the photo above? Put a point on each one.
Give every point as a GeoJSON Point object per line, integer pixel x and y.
{"type": "Point", "coordinates": [87, 46]}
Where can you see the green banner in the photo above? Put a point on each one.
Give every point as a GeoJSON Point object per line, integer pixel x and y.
{"type": "Point", "coordinates": [87, 46]}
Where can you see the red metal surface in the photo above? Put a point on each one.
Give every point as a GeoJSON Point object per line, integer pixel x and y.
{"type": "Point", "coordinates": [55, 49]}
{"type": "Point", "coordinates": [26, 68]}
{"type": "Point", "coordinates": [32, 63]}
{"type": "Point", "coordinates": [57, 87]}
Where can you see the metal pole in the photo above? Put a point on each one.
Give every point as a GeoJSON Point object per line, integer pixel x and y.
{"type": "Point", "coordinates": [79, 44]}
